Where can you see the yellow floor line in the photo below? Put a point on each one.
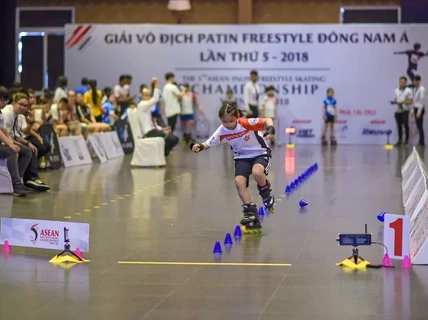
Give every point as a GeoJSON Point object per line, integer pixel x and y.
{"type": "Point", "coordinates": [235, 264]}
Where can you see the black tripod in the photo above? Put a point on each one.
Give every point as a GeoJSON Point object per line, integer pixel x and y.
{"type": "Point", "coordinates": [67, 246]}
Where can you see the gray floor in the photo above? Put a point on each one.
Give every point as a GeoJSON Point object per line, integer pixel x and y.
{"type": "Point", "coordinates": [176, 214]}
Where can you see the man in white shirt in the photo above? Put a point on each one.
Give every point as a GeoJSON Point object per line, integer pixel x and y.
{"type": "Point", "coordinates": [17, 159]}
{"type": "Point", "coordinates": [172, 95]}
{"type": "Point", "coordinates": [252, 95]}
{"type": "Point", "coordinates": [419, 97]}
{"type": "Point", "coordinates": [15, 123]}
{"type": "Point", "coordinates": [403, 100]}
{"type": "Point", "coordinates": [149, 127]}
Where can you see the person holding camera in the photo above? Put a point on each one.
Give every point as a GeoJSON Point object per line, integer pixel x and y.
{"type": "Point", "coordinates": [149, 127]}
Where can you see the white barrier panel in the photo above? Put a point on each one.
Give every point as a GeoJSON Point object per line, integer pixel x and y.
{"type": "Point", "coordinates": [5, 181]}
{"type": "Point", "coordinates": [415, 201]}
{"type": "Point", "coordinates": [74, 151]}
{"type": "Point", "coordinates": [95, 147]}
{"type": "Point", "coordinates": [300, 61]}
{"type": "Point", "coordinates": [44, 234]}
{"type": "Point", "coordinates": [110, 142]}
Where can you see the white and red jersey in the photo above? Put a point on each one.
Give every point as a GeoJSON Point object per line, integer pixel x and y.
{"type": "Point", "coordinates": [246, 140]}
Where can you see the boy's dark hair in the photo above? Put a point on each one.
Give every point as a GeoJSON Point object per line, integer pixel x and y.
{"type": "Point", "coordinates": [186, 85]}
{"type": "Point", "coordinates": [229, 91]}
{"type": "Point", "coordinates": [330, 89]}
{"type": "Point", "coordinates": [230, 108]}
{"type": "Point", "coordinates": [62, 81]}
{"type": "Point", "coordinates": [403, 78]}
{"type": "Point", "coordinates": [63, 100]}
{"type": "Point", "coordinates": [254, 72]}
{"type": "Point", "coordinates": [4, 93]}
{"type": "Point", "coordinates": [107, 91]}
{"type": "Point", "coordinates": [122, 77]}
{"type": "Point", "coordinates": [169, 75]}
{"type": "Point", "coordinates": [85, 81]}
{"type": "Point", "coordinates": [48, 94]}
{"type": "Point", "coordinates": [417, 78]}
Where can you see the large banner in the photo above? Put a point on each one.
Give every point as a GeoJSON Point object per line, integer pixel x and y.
{"type": "Point", "coordinates": [362, 63]}
{"type": "Point", "coordinates": [44, 233]}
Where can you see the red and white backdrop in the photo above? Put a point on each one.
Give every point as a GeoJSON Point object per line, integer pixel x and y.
{"type": "Point", "coordinates": [361, 62]}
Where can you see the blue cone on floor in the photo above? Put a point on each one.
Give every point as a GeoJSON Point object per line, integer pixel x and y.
{"type": "Point", "coordinates": [228, 239]}
{"type": "Point", "coordinates": [261, 211]}
{"type": "Point", "coordinates": [303, 203]}
{"type": "Point", "coordinates": [381, 216]}
{"type": "Point", "coordinates": [238, 232]}
{"type": "Point", "coordinates": [217, 248]}
{"type": "Point", "coordinates": [287, 189]}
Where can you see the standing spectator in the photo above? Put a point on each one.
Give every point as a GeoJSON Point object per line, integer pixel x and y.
{"type": "Point", "coordinates": [172, 95]}
{"type": "Point", "coordinates": [419, 107]}
{"type": "Point", "coordinates": [109, 116]}
{"type": "Point", "coordinates": [187, 113]}
{"type": "Point", "coordinates": [61, 90]}
{"type": "Point", "coordinates": [329, 115]}
{"type": "Point", "coordinates": [121, 92]}
{"type": "Point", "coordinates": [84, 87]}
{"type": "Point", "coordinates": [403, 100]}
{"type": "Point", "coordinates": [252, 95]}
{"type": "Point", "coordinates": [93, 99]}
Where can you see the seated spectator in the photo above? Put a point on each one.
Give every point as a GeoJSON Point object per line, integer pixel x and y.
{"type": "Point", "coordinates": [9, 151]}
{"type": "Point", "coordinates": [149, 127]}
{"type": "Point", "coordinates": [71, 120]}
{"type": "Point", "coordinates": [87, 119]}
{"type": "Point", "coordinates": [15, 123]}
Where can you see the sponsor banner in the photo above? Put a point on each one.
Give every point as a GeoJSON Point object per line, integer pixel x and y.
{"type": "Point", "coordinates": [124, 132]}
{"type": "Point", "coordinates": [44, 234]}
{"type": "Point", "coordinates": [96, 148]}
{"type": "Point", "coordinates": [300, 61]}
{"type": "Point", "coordinates": [74, 151]}
{"type": "Point", "coordinates": [110, 143]}
{"type": "Point", "coordinates": [48, 134]}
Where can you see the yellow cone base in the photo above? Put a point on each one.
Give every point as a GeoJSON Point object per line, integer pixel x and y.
{"type": "Point", "coordinates": [388, 147]}
{"type": "Point", "coordinates": [290, 145]}
{"type": "Point", "coordinates": [351, 264]}
{"type": "Point", "coordinates": [66, 259]}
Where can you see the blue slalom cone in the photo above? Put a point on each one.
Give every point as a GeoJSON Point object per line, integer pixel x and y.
{"type": "Point", "coordinates": [228, 239]}
{"type": "Point", "coordinates": [303, 203]}
{"type": "Point", "coordinates": [261, 211]}
{"type": "Point", "coordinates": [238, 232]}
{"type": "Point", "coordinates": [381, 216]}
{"type": "Point", "coordinates": [287, 189]}
{"type": "Point", "coordinates": [292, 185]}
{"type": "Point", "coordinates": [217, 248]}
{"type": "Point", "coordinates": [296, 182]}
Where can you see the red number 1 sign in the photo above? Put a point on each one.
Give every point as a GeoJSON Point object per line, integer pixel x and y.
{"type": "Point", "coordinates": [396, 234]}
